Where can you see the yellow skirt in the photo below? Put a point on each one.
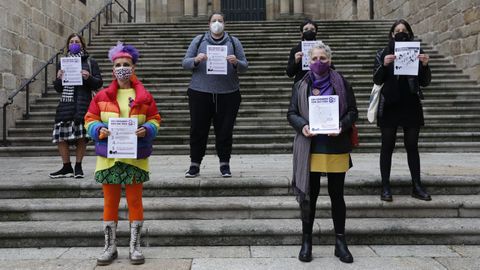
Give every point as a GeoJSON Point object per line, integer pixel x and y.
{"type": "Point", "coordinates": [330, 163]}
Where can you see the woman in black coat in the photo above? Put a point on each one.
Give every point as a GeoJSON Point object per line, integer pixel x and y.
{"type": "Point", "coordinates": [69, 124]}
{"type": "Point", "coordinates": [308, 31]}
{"type": "Point", "coordinates": [314, 154]}
{"type": "Point", "coordinates": [400, 105]}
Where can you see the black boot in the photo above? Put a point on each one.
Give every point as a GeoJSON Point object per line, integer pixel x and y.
{"type": "Point", "coordinates": [419, 192]}
{"type": "Point", "coordinates": [305, 254]}
{"type": "Point", "coordinates": [386, 193]}
{"type": "Point", "coordinates": [341, 249]}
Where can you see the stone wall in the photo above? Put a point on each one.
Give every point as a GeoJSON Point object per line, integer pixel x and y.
{"type": "Point", "coordinates": [343, 10]}
{"type": "Point", "coordinates": [32, 31]}
{"type": "Point", "coordinates": [452, 27]}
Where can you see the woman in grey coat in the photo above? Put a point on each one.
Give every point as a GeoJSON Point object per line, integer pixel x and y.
{"type": "Point", "coordinates": [322, 153]}
{"type": "Point", "coordinates": [213, 97]}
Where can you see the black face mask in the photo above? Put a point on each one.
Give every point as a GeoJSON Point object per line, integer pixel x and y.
{"type": "Point", "coordinates": [309, 35]}
{"type": "Point", "coordinates": [401, 36]}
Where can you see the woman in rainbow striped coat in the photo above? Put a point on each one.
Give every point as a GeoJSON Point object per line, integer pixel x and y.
{"type": "Point", "coordinates": [125, 97]}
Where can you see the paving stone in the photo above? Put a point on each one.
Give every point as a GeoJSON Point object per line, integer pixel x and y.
{"type": "Point", "coordinates": [460, 263]}
{"type": "Point", "coordinates": [467, 251]}
{"type": "Point", "coordinates": [321, 263]}
{"type": "Point", "coordinates": [15, 254]}
{"type": "Point", "coordinates": [318, 251]}
{"type": "Point", "coordinates": [157, 264]}
{"type": "Point", "coordinates": [49, 264]}
{"type": "Point", "coordinates": [414, 251]}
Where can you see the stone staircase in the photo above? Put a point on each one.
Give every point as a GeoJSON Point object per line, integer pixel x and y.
{"type": "Point", "coordinates": [254, 207]}
{"type": "Point", "coordinates": [450, 105]}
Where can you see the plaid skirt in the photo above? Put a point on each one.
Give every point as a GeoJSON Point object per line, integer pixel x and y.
{"type": "Point", "coordinates": [122, 173]}
{"type": "Point", "coordinates": [68, 132]}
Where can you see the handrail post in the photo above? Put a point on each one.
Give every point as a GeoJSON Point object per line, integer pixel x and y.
{"type": "Point", "coordinates": [90, 33]}
{"type": "Point", "coordinates": [134, 10]}
{"type": "Point", "coordinates": [372, 9]}
{"type": "Point", "coordinates": [111, 13]}
{"type": "Point", "coordinates": [45, 83]}
{"type": "Point", "coordinates": [4, 140]}
{"type": "Point", "coordinates": [98, 23]}
{"type": "Point", "coordinates": [27, 101]}
{"type": "Point", "coordinates": [129, 11]}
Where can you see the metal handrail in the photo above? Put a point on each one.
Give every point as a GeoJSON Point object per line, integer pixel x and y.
{"type": "Point", "coordinates": [107, 9]}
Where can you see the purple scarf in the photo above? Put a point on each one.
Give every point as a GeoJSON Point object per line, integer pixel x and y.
{"type": "Point", "coordinates": [331, 84]}
{"type": "Point", "coordinates": [322, 83]}
{"type": "Point", "coordinates": [334, 86]}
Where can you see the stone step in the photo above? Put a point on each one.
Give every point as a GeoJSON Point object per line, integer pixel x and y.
{"type": "Point", "coordinates": [286, 137]}
{"type": "Point", "coordinates": [469, 105]}
{"type": "Point", "coordinates": [169, 181]}
{"type": "Point", "coordinates": [251, 207]}
{"type": "Point", "coordinates": [252, 111]}
{"type": "Point", "coordinates": [354, 77]}
{"type": "Point", "coordinates": [243, 232]}
{"type": "Point", "coordinates": [267, 148]}
{"type": "Point", "coordinates": [362, 94]}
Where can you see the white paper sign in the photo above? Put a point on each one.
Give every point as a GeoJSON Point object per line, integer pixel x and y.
{"type": "Point", "coordinates": [217, 60]}
{"type": "Point", "coordinates": [323, 114]}
{"type": "Point", "coordinates": [72, 66]}
{"type": "Point", "coordinates": [122, 142]}
{"type": "Point", "coordinates": [306, 46]}
{"type": "Point", "coordinates": [406, 61]}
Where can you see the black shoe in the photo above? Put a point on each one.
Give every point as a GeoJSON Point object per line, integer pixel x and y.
{"type": "Point", "coordinates": [305, 254]}
{"type": "Point", "coordinates": [78, 171]}
{"type": "Point", "coordinates": [192, 172]}
{"type": "Point", "coordinates": [64, 172]}
{"type": "Point", "coordinates": [341, 249]}
{"type": "Point", "coordinates": [419, 192]}
{"type": "Point", "coordinates": [386, 195]}
{"type": "Point", "coordinates": [225, 171]}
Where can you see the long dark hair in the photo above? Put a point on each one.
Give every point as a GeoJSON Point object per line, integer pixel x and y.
{"type": "Point", "coordinates": [308, 21]}
{"type": "Point", "coordinates": [84, 47]}
{"type": "Point", "coordinates": [407, 25]}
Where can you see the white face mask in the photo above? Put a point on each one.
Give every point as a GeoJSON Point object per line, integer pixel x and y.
{"type": "Point", "coordinates": [123, 73]}
{"type": "Point", "coordinates": [216, 27]}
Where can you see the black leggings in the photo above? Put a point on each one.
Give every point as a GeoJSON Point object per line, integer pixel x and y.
{"type": "Point", "coordinates": [410, 139]}
{"type": "Point", "coordinates": [336, 182]}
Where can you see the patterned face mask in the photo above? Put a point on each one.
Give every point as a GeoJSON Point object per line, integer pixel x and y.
{"type": "Point", "coordinates": [123, 73]}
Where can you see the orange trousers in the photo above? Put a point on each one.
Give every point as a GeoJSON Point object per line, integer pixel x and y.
{"type": "Point", "coordinates": [111, 200]}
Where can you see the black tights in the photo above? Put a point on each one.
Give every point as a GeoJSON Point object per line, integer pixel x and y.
{"type": "Point", "coordinates": [335, 191]}
{"type": "Point", "coordinates": [410, 139]}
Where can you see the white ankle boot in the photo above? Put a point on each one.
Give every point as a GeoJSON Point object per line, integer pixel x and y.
{"type": "Point", "coordinates": [110, 250]}
{"type": "Point", "coordinates": [136, 256]}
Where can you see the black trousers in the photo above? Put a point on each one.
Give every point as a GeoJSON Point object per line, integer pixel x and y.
{"type": "Point", "coordinates": [222, 109]}
{"type": "Point", "coordinates": [336, 182]}
{"type": "Point", "coordinates": [410, 140]}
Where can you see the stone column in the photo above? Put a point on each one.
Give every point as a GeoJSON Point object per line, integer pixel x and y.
{"type": "Point", "coordinates": [284, 7]}
{"type": "Point", "coordinates": [298, 7]}
{"type": "Point", "coordinates": [202, 8]}
{"type": "Point", "coordinates": [188, 8]}
{"type": "Point", "coordinates": [217, 5]}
